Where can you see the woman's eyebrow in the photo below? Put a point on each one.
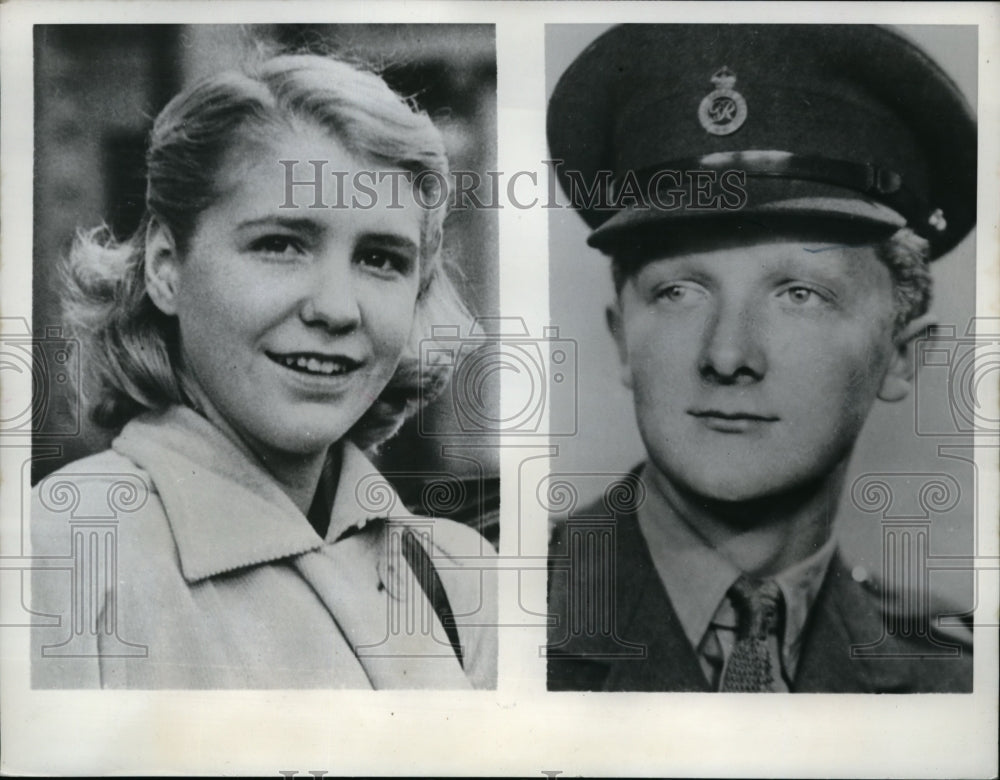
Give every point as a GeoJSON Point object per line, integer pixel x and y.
{"type": "Point", "coordinates": [300, 224]}
{"type": "Point", "coordinates": [392, 241]}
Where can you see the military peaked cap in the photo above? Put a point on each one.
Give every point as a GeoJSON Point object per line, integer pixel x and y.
{"type": "Point", "coordinates": [655, 125]}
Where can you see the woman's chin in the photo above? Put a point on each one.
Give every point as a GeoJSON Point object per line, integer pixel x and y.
{"type": "Point", "coordinates": [304, 441]}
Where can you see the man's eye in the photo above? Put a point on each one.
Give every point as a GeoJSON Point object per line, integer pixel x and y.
{"type": "Point", "coordinates": [800, 295]}
{"type": "Point", "coordinates": [674, 293]}
{"type": "Point", "coordinates": [282, 245]}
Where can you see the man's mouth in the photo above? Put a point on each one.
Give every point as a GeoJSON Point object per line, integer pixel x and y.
{"type": "Point", "coordinates": [732, 422]}
{"type": "Point", "coordinates": [720, 415]}
{"type": "Point", "coordinates": [315, 363]}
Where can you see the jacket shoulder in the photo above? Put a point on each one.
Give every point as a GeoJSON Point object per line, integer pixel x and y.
{"type": "Point", "coordinates": [907, 641]}
{"type": "Point", "coordinates": [915, 613]}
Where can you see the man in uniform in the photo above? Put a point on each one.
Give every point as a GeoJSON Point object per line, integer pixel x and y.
{"type": "Point", "coordinates": [770, 197]}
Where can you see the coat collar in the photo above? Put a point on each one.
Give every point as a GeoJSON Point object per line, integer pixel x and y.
{"type": "Point", "coordinates": [226, 512]}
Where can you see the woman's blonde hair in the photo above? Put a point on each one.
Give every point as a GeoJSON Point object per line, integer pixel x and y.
{"type": "Point", "coordinates": [132, 349]}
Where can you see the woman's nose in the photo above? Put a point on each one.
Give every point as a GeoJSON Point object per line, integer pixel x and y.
{"type": "Point", "coordinates": [331, 300]}
{"type": "Point", "coordinates": [733, 350]}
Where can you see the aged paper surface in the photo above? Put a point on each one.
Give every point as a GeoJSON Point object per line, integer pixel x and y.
{"type": "Point", "coordinates": [531, 267]}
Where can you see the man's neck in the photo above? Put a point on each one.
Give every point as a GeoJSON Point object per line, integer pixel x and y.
{"type": "Point", "coordinates": [764, 536]}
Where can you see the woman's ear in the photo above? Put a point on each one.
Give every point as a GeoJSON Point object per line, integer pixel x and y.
{"type": "Point", "coordinates": [899, 378]}
{"type": "Point", "coordinates": [613, 316]}
{"type": "Point", "coordinates": [162, 267]}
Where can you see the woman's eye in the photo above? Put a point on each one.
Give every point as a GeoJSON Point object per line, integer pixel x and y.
{"type": "Point", "coordinates": [287, 246]}
{"type": "Point", "coordinates": [385, 261]}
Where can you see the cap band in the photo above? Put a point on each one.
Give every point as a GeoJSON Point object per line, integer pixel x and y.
{"type": "Point", "coordinates": [880, 184]}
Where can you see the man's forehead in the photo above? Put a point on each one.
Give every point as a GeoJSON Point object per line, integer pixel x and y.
{"type": "Point", "coordinates": [844, 263]}
{"type": "Point", "coordinates": [789, 241]}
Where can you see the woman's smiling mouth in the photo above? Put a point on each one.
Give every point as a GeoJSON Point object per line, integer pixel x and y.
{"type": "Point", "coordinates": [315, 363]}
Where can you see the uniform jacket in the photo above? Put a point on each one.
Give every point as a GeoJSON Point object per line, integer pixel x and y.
{"type": "Point", "coordinates": [615, 629]}
{"type": "Point", "coordinates": [173, 561]}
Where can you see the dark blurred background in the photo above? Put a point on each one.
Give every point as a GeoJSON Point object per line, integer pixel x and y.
{"type": "Point", "coordinates": [97, 90]}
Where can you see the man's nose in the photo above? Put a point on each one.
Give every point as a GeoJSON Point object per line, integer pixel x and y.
{"type": "Point", "coordinates": [733, 350]}
{"type": "Point", "coordinates": [331, 300]}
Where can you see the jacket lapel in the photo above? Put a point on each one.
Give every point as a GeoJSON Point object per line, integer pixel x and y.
{"type": "Point", "coordinates": [670, 663]}
{"type": "Point", "coordinates": [840, 618]}
{"type": "Point", "coordinates": [647, 650]}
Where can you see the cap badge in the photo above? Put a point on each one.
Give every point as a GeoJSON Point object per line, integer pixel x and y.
{"type": "Point", "coordinates": [723, 111]}
{"type": "Point", "coordinates": [937, 221]}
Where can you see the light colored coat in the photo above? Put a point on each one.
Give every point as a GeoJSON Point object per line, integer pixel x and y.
{"type": "Point", "coordinates": [186, 566]}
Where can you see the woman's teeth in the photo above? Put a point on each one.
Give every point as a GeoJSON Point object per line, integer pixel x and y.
{"type": "Point", "coordinates": [312, 365]}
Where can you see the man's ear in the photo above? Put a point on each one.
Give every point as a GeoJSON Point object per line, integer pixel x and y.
{"type": "Point", "coordinates": [613, 316]}
{"type": "Point", "coordinates": [162, 267]}
{"type": "Point", "coordinates": [899, 378]}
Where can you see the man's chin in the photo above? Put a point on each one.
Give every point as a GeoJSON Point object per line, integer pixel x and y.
{"type": "Point", "coordinates": [743, 495]}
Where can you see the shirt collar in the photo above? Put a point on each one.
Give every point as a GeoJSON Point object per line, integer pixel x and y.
{"type": "Point", "coordinates": [697, 577]}
{"type": "Point", "coordinates": [800, 585]}
{"type": "Point", "coordinates": [225, 511]}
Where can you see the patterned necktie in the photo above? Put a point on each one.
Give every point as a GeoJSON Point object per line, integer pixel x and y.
{"type": "Point", "coordinates": [751, 668]}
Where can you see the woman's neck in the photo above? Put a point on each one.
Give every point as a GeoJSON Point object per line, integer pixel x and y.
{"type": "Point", "coordinates": [297, 474]}
{"type": "Point", "coordinates": [764, 536]}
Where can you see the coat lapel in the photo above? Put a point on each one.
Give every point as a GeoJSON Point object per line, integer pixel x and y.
{"type": "Point", "coordinates": [381, 610]}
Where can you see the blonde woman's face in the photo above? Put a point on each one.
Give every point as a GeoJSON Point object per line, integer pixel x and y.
{"type": "Point", "coordinates": [293, 317]}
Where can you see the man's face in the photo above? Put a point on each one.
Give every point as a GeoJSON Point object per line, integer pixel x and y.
{"type": "Point", "coordinates": [753, 367]}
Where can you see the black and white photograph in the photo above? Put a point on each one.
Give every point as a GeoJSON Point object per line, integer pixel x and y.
{"type": "Point", "coordinates": [243, 235]}
{"type": "Point", "coordinates": [466, 387]}
{"type": "Point", "coordinates": [788, 246]}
